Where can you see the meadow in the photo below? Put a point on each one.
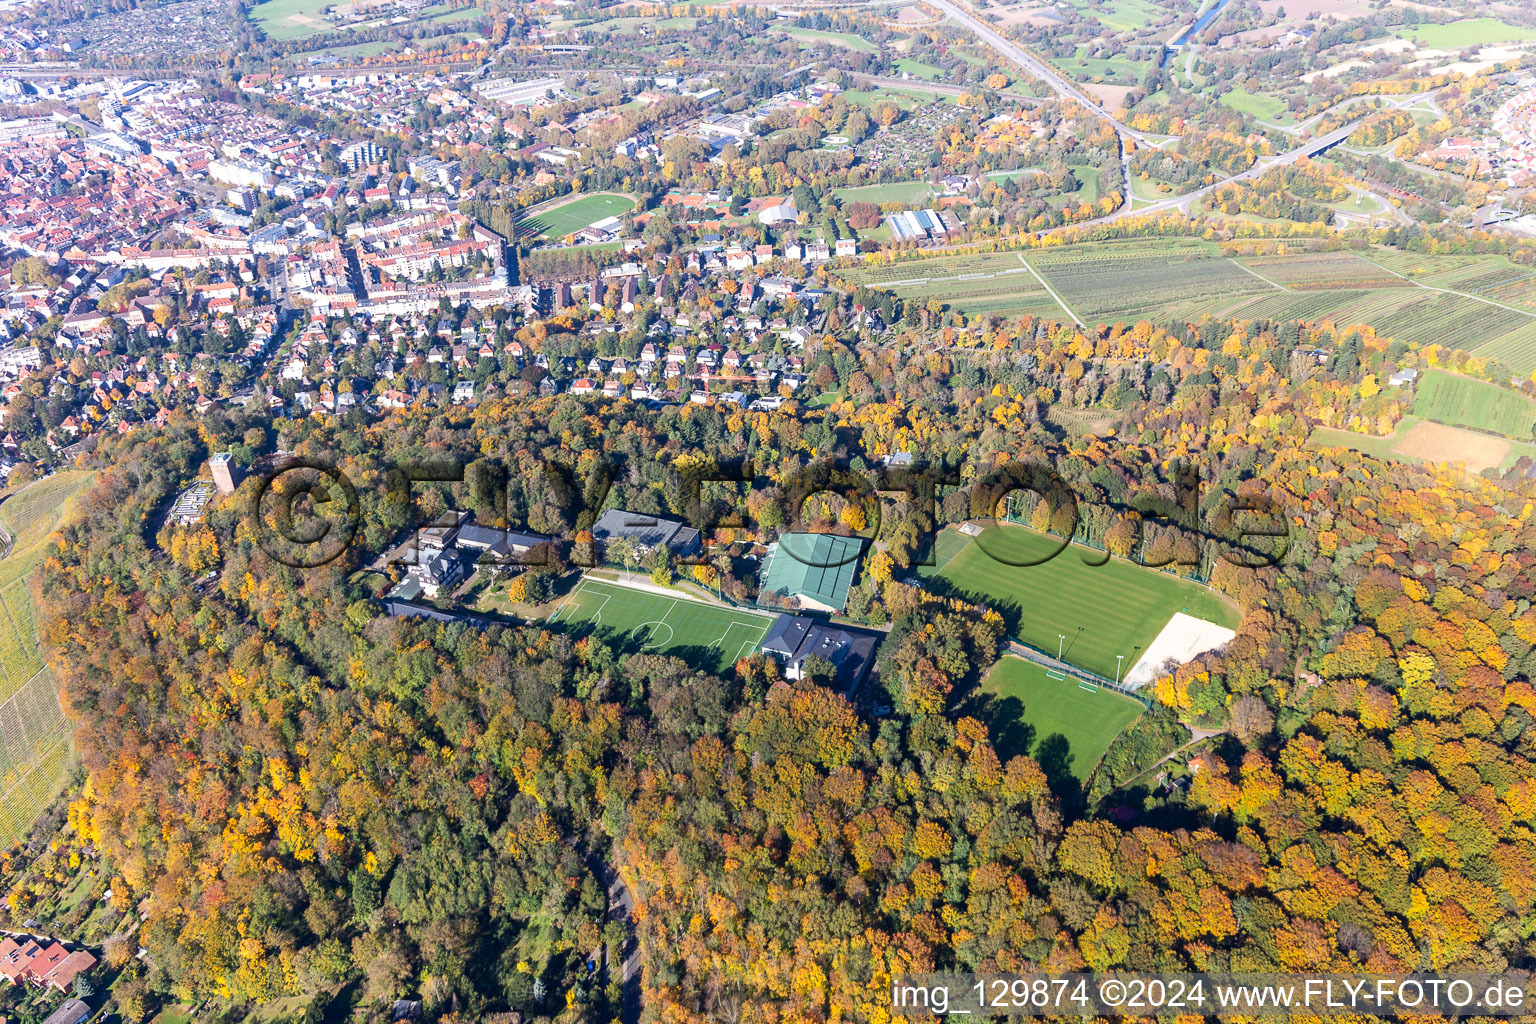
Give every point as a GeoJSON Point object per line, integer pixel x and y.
{"type": "Point", "coordinates": [281, 20]}
{"type": "Point", "coordinates": [1103, 610]}
{"type": "Point", "coordinates": [1052, 720]}
{"type": "Point", "coordinates": [1469, 32]}
{"type": "Point", "coordinates": [845, 39]}
{"type": "Point", "coordinates": [573, 216]}
{"type": "Point", "coordinates": [1259, 105]}
{"type": "Point", "coordinates": [1420, 440]}
{"type": "Point", "coordinates": [708, 636]}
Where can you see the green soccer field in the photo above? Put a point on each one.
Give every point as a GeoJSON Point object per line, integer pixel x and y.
{"type": "Point", "coordinates": [707, 636]}
{"type": "Point", "coordinates": [572, 217]}
{"type": "Point", "coordinates": [1117, 608]}
{"type": "Point", "coordinates": [1052, 719]}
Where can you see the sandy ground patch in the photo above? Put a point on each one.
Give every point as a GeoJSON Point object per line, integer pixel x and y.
{"type": "Point", "coordinates": [300, 19]}
{"type": "Point", "coordinates": [1436, 442]}
{"type": "Point", "coordinates": [1112, 96]}
{"type": "Point", "coordinates": [1184, 639]}
{"type": "Point", "coordinates": [1487, 57]}
{"type": "Point", "coordinates": [1299, 13]}
{"type": "Point", "coordinates": [1036, 17]}
{"type": "Point", "coordinates": [913, 15]}
{"type": "Point", "coordinates": [1336, 70]}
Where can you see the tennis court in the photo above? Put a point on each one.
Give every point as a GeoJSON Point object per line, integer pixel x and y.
{"type": "Point", "coordinates": [708, 636]}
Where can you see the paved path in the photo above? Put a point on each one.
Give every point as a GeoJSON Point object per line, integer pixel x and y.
{"type": "Point", "coordinates": [621, 908]}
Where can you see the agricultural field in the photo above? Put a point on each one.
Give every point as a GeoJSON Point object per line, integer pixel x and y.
{"type": "Point", "coordinates": [1316, 306]}
{"type": "Point", "coordinates": [711, 637]}
{"type": "Point", "coordinates": [1464, 402]}
{"type": "Point", "coordinates": [1483, 304]}
{"type": "Point", "coordinates": [1047, 719]}
{"type": "Point", "coordinates": [1330, 270]}
{"type": "Point", "coordinates": [34, 735]}
{"type": "Point", "coordinates": [1103, 610]}
{"type": "Point", "coordinates": [1136, 287]}
{"type": "Point", "coordinates": [1452, 320]}
{"type": "Point", "coordinates": [575, 215]}
{"type": "Point", "coordinates": [1516, 350]}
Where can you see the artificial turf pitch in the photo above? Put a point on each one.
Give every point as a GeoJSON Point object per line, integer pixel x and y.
{"type": "Point", "coordinates": [1116, 608]}
{"type": "Point", "coordinates": [705, 635]}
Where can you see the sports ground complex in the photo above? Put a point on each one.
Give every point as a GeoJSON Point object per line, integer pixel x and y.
{"type": "Point", "coordinates": [1107, 616]}
{"type": "Point", "coordinates": [1101, 613]}
{"type": "Point", "coordinates": [710, 636]}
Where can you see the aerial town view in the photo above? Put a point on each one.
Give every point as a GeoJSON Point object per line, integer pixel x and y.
{"type": "Point", "coordinates": [803, 512]}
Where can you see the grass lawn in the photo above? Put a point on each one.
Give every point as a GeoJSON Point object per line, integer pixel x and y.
{"type": "Point", "coordinates": [852, 42]}
{"type": "Point", "coordinates": [1057, 722]}
{"type": "Point", "coordinates": [575, 215]}
{"type": "Point", "coordinates": [824, 399]}
{"type": "Point", "coordinates": [1004, 175]}
{"type": "Point", "coordinates": [1109, 69]}
{"type": "Point", "coordinates": [1458, 35]}
{"type": "Point", "coordinates": [352, 52]}
{"type": "Point", "coordinates": [1088, 176]}
{"type": "Point", "coordinates": [290, 19]}
{"type": "Point", "coordinates": [710, 637]}
{"type": "Point", "coordinates": [1102, 610]}
{"type": "Point", "coordinates": [920, 69]}
{"type": "Point", "coordinates": [910, 192]}
{"type": "Point", "coordinates": [1122, 15]}
{"type": "Point", "coordinates": [905, 97]}
{"type": "Point", "coordinates": [1260, 105]}
{"type": "Point", "coordinates": [1465, 402]}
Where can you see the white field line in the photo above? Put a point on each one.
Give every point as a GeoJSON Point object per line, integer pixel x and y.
{"type": "Point", "coordinates": [568, 598]}
{"type": "Point", "coordinates": [1448, 291]}
{"type": "Point", "coordinates": [1261, 277]}
{"type": "Point", "coordinates": [1046, 285]}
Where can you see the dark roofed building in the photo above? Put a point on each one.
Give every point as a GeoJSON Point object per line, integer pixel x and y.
{"type": "Point", "coordinates": [793, 638]}
{"type": "Point", "coordinates": [70, 1011]}
{"type": "Point", "coordinates": [500, 544]}
{"type": "Point", "coordinates": [647, 531]}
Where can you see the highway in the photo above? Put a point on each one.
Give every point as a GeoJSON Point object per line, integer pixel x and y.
{"type": "Point", "coordinates": [1036, 68]}
{"type": "Point", "coordinates": [1311, 147]}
